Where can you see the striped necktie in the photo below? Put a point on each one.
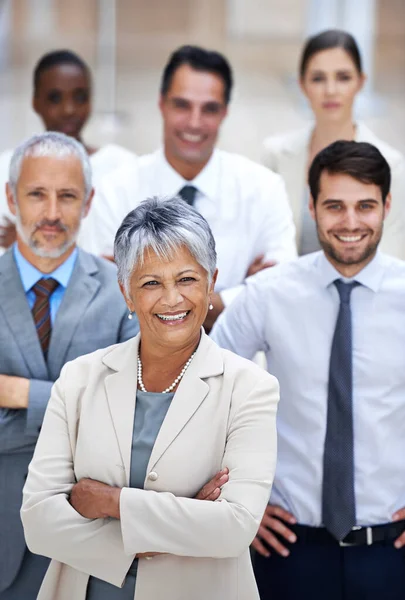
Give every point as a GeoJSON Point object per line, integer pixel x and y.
{"type": "Point", "coordinates": [41, 310]}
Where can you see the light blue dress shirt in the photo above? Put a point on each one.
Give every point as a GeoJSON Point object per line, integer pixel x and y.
{"type": "Point", "coordinates": [290, 312]}
{"type": "Point", "coordinates": [30, 276]}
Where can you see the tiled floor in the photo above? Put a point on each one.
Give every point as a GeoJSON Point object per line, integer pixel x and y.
{"type": "Point", "coordinates": [266, 98]}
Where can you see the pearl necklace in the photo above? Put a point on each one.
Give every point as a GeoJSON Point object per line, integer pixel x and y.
{"type": "Point", "coordinates": [175, 382]}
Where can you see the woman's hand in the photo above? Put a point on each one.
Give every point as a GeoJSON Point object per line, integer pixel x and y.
{"type": "Point", "coordinates": [212, 490]}
{"type": "Point", "coordinates": [95, 500]}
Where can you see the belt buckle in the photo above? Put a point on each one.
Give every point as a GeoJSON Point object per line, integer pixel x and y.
{"type": "Point", "coordinates": [369, 537]}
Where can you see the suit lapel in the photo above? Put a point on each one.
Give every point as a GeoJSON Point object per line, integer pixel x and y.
{"type": "Point", "coordinates": [120, 388]}
{"type": "Point", "coordinates": [364, 134]}
{"type": "Point", "coordinates": [187, 399]}
{"type": "Point", "coordinates": [189, 396]}
{"type": "Point", "coordinates": [18, 316]}
{"type": "Point", "coordinates": [81, 290]}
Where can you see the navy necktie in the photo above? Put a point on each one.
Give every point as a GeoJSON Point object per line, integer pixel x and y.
{"type": "Point", "coordinates": [188, 193]}
{"type": "Point", "coordinates": [338, 497]}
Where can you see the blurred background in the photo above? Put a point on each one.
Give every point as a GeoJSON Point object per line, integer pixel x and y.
{"type": "Point", "coordinates": [127, 42]}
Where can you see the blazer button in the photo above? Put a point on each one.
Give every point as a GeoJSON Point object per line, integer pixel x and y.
{"type": "Point", "coordinates": [153, 476]}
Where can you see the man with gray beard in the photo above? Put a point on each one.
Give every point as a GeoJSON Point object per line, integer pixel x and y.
{"type": "Point", "coordinates": [56, 303]}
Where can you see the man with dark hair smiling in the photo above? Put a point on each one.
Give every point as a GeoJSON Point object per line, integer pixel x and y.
{"type": "Point", "coordinates": [244, 203]}
{"type": "Point", "coordinates": [332, 325]}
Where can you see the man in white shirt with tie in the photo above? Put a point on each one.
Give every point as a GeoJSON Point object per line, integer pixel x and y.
{"type": "Point", "coordinates": [332, 325]}
{"type": "Point", "coordinates": [244, 203]}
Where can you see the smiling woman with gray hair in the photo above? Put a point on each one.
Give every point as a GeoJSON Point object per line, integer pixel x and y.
{"type": "Point", "coordinates": [134, 432]}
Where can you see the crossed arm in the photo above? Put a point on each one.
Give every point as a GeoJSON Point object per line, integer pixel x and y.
{"type": "Point", "coordinates": [30, 398]}
{"type": "Point", "coordinates": [59, 522]}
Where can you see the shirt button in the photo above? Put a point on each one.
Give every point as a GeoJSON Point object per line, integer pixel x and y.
{"type": "Point", "coordinates": [153, 476]}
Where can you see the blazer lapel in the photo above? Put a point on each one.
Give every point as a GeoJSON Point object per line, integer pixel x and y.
{"type": "Point", "coordinates": [364, 134]}
{"type": "Point", "coordinates": [189, 396]}
{"type": "Point", "coordinates": [13, 303]}
{"type": "Point", "coordinates": [81, 289]}
{"type": "Point", "coordinates": [120, 389]}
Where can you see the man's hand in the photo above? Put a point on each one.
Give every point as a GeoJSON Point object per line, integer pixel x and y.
{"type": "Point", "coordinates": [214, 313]}
{"type": "Point", "coordinates": [273, 521]}
{"type": "Point", "coordinates": [212, 490]}
{"type": "Point", "coordinates": [8, 234]}
{"type": "Point", "coordinates": [399, 516]}
{"type": "Point", "coordinates": [259, 264]}
{"type": "Point", "coordinates": [95, 500]}
{"type": "Point", "coordinates": [14, 392]}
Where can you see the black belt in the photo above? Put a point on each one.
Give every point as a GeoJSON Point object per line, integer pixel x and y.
{"type": "Point", "coordinates": [359, 536]}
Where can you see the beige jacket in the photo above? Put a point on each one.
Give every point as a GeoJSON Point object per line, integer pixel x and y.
{"type": "Point", "coordinates": [223, 414]}
{"type": "Point", "coordinates": [287, 155]}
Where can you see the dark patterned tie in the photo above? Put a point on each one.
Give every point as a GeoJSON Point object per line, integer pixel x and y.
{"type": "Point", "coordinates": [41, 311]}
{"type": "Point", "coordinates": [188, 193]}
{"type": "Point", "coordinates": [338, 498]}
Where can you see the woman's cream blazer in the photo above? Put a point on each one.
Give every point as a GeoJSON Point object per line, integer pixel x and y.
{"type": "Point", "coordinates": [287, 155]}
{"type": "Point", "coordinates": [223, 414]}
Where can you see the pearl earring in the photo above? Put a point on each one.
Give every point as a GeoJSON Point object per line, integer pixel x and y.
{"type": "Point", "coordinates": [210, 307]}
{"type": "Point", "coordinates": [130, 316]}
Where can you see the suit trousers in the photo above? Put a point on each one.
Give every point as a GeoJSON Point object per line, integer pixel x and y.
{"type": "Point", "coordinates": [28, 580]}
{"type": "Point", "coordinates": [330, 572]}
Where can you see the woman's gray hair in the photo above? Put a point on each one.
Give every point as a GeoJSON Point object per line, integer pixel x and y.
{"type": "Point", "coordinates": [162, 225]}
{"type": "Point", "coordinates": [52, 144]}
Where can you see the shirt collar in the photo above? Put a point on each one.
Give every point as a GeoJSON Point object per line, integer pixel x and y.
{"type": "Point", "coordinates": [206, 181]}
{"type": "Point", "coordinates": [371, 276]}
{"type": "Point", "coordinates": [30, 275]}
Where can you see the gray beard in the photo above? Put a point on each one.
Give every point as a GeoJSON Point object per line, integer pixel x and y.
{"type": "Point", "coordinates": [40, 252]}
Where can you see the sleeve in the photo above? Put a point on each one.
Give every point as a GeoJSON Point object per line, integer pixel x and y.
{"type": "Point", "coordinates": [276, 237]}
{"type": "Point", "coordinates": [269, 154]}
{"type": "Point", "coordinates": [229, 295]}
{"type": "Point", "coordinates": [277, 229]}
{"type": "Point", "coordinates": [111, 204]}
{"type": "Point", "coordinates": [393, 240]}
{"type": "Point", "coordinates": [26, 422]}
{"type": "Point", "coordinates": [51, 525]}
{"type": "Point", "coordinates": [160, 522]}
{"type": "Point", "coordinates": [39, 394]}
{"type": "Point", "coordinates": [241, 327]}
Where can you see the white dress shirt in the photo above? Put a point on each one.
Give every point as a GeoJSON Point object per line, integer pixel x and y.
{"type": "Point", "coordinates": [244, 203]}
{"type": "Point", "coordinates": [290, 312]}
